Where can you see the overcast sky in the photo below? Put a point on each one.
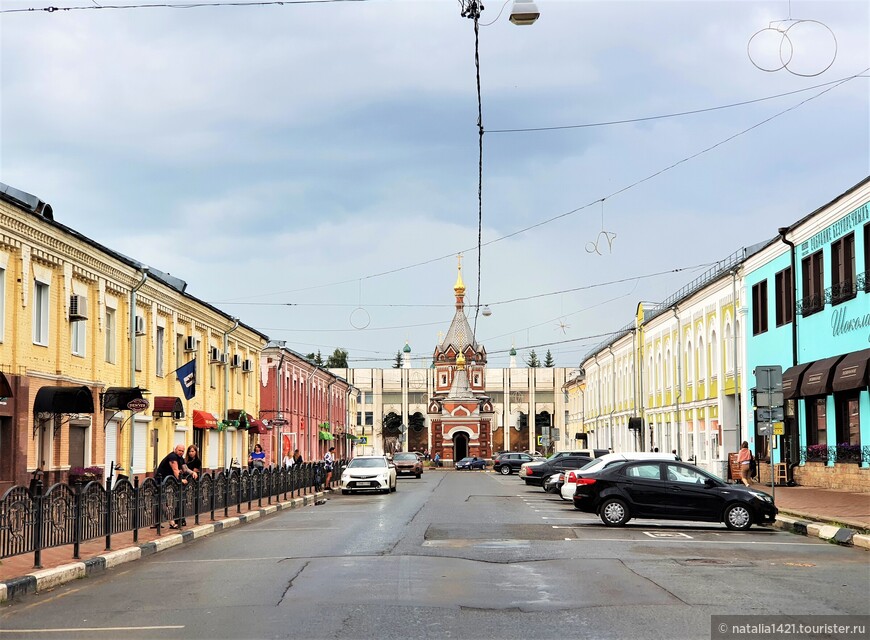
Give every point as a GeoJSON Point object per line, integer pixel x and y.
{"type": "Point", "coordinates": [315, 155]}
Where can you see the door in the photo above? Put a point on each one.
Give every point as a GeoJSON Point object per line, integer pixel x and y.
{"type": "Point", "coordinates": [688, 497]}
{"type": "Point", "coordinates": [111, 447]}
{"type": "Point", "coordinates": [6, 454]}
{"type": "Point", "coordinates": [642, 485]}
{"type": "Point", "coordinates": [78, 437]}
{"type": "Point", "coordinates": [460, 446]}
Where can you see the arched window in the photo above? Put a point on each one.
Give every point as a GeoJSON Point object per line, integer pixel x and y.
{"type": "Point", "coordinates": [668, 369]}
{"type": "Point", "coordinates": [690, 360]}
{"type": "Point", "coordinates": [729, 348]}
{"type": "Point", "coordinates": [702, 357]}
{"type": "Point", "coordinates": [714, 354]}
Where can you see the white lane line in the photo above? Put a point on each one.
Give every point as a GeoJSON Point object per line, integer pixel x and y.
{"type": "Point", "coordinates": [91, 629]}
{"type": "Point", "coordinates": [282, 529]}
{"type": "Point", "coordinates": [684, 541]}
{"type": "Point", "coordinates": [574, 518]}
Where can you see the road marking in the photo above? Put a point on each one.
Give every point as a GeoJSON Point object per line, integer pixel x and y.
{"type": "Point", "coordinates": [283, 529]}
{"type": "Point", "coordinates": [667, 534]}
{"type": "Point", "coordinates": [266, 558]}
{"type": "Point", "coordinates": [552, 518]}
{"type": "Point", "coordinates": [91, 629]}
{"type": "Point", "coordinates": [682, 541]}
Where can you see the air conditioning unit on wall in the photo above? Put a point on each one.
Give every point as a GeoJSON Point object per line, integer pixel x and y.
{"type": "Point", "coordinates": [248, 366]}
{"type": "Point", "coordinates": [190, 344]}
{"type": "Point", "coordinates": [139, 326]}
{"type": "Point", "coordinates": [237, 361]}
{"type": "Point", "coordinates": [78, 308]}
{"type": "Point", "coordinates": [214, 354]}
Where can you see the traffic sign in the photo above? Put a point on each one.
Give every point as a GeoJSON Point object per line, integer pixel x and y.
{"type": "Point", "coordinates": [770, 414]}
{"type": "Point", "coordinates": [363, 440]}
{"type": "Point", "coordinates": [764, 429]}
{"type": "Point", "coordinates": [769, 398]}
{"type": "Point", "coordinates": [778, 428]}
{"type": "Point", "coordinates": [541, 440]}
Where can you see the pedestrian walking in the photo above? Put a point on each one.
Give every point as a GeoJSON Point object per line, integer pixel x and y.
{"type": "Point", "coordinates": [328, 462]}
{"type": "Point", "coordinates": [744, 458]}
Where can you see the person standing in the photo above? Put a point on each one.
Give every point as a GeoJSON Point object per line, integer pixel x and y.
{"type": "Point", "coordinates": [328, 462]}
{"type": "Point", "coordinates": [257, 459]}
{"type": "Point", "coordinates": [193, 462]}
{"type": "Point", "coordinates": [172, 465]}
{"type": "Point", "coordinates": [743, 459]}
{"type": "Point", "coordinates": [297, 457]}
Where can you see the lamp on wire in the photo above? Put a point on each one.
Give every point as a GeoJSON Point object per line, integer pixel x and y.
{"type": "Point", "coordinates": [486, 311]}
{"type": "Point", "coordinates": [524, 12]}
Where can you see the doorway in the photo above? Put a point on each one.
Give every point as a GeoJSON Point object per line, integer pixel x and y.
{"type": "Point", "coordinates": [460, 446]}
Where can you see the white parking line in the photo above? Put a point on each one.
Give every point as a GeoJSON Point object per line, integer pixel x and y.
{"type": "Point", "coordinates": [683, 541]}
{"type": "Point", "coordinates": [91, 629]}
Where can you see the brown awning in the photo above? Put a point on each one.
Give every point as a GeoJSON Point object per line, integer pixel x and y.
{"type": "Point", "coordinates": [257, 426]}
{"type": "Point", "coordinates": [204, 420]}
{"type": "Point", "coordinates": [116, 398]}
{"type": "Point", "coordinates": [791, 380]}
{"type": "Point", "coordinates": [817, 379]}
{"type": "Point", "coordinates": [5, 388]}
{"type": "Point", "coordinates": [852, 372]}
{"type": "Point", "coordinates": [168, 406]}
{"type": "Point", "coordinates": [64, 400]}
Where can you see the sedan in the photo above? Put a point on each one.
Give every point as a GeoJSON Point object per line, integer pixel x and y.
{"type": "Point", "coordinates": [669, 490]}
{"type": "Point", "coordinates": [471, 463]}
{"type": "Point", "coordinates": [553, 483]}
{"type": "Point", "coordinates": [369, 473]}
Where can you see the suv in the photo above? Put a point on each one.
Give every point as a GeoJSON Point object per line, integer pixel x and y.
{"type": "Point", "coordinates": [507, 463]}
{"type": "Point", "coordinates": [408, 463]}
{"type": "Point", "coordinates": [535, 472]}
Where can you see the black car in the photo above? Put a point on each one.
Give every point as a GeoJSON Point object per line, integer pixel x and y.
{"type": "Point", "coordinates": [669, 490]}
{"type": "Point", "coordinates": [507, 463]}
{"type": "Point", "coordinates": [471, 463]}
{"type": "Point", "coordinates": [535, 472]}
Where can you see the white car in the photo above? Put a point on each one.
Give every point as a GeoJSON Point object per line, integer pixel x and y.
{"type": "Point", "coordinates": [570, 483]}
{"type": "Point", "coordinates": [369, 473]}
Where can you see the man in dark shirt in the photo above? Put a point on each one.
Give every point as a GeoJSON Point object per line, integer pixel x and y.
{"type": "Point", "coordinates": [172, 465]}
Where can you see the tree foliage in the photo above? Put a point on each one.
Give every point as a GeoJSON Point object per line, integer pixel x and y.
{"type": "Point", "coordinates": [548, 360]}
{"type": "Point", "coordinates": [316, 358]}
{"type": "Point", "coordinates": [532, 360]}
{"type": "Point", "coordinates": [398, 363]}
{"type": "Point", "coordinates": [338, 359]}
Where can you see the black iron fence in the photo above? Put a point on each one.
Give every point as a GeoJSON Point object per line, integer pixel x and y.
{"type": "Point", "coordinates": [33, 519]}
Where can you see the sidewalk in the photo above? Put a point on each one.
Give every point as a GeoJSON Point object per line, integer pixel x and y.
{"type": "Point", "coordinates": [840, 516]}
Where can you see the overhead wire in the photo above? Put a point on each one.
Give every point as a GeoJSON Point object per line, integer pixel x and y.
{"type": "Point", "coordinates": [174, 5]}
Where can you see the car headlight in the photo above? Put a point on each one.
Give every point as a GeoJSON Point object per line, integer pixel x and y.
{"type": "Point", "coordinates": [761, 496]}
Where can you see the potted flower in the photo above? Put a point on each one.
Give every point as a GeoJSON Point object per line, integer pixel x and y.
{"type": "Point", "coordinates": [84, 474]}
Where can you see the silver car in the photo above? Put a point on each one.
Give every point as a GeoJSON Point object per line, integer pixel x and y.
{"type": "Point", "coordinates": [369, 473]}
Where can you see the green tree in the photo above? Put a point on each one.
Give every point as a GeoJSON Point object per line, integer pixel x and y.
{"type": "Point", "coordinates": [398, 363]}
{"type": "Point", "coordinates": [315, 358]}
{"type": "Point", "coordinates": [548, 360]}
{"type": "Point", "coordinates": [533, 361]}
{"type": "Point", "coordinates": [338, 359]}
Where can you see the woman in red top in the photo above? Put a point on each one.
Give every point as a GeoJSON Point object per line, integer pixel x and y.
{"type": "Point", "coordinates": [743, 459]}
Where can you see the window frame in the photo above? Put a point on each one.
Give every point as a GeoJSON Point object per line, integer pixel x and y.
{"type": "Point", "coordinates": [41, 319]}
{"type": "Point", "coordinates": [78, 338]}
{"type": "Point", "coordinates": [843, 269]}
{"type": "Point", "coordinates": [759, 308]}
{"type": "Point", "coordinates": [784, 292]}
{"type": "Point", "coordinates": [813, 283]}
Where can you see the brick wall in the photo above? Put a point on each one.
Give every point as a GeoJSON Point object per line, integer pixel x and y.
{"type": "Point", "coordinates": [844, 476]}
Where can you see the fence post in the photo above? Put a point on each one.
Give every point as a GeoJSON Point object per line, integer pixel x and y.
{"type": "Point", "coordinates": [36, 496]}
{"type": "Point", "coordinates": [196, 500]}
{"type": "Point", "coordinates": [77, 528]}
{"type": "Point", "coordinates": [226, 473]}
{"type": "Point", "coordinates": [109, 499]}
{"type": "Point", "coordinates": [239, 494]}
{"type": "Point", "coordinates": [159, 506]}
{"type": "Point", "coordinates": [250, 488]}
{"type": "Point", "coordinates": [136, 519]}
{"type": "Point", "coordinates": [212, 496]}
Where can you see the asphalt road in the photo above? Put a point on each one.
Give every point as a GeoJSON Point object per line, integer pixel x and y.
{"type": "Point", "coordinates": [451, 555]}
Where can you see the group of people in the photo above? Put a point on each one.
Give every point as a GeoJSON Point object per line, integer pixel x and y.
{"type": "Point", "coordinates": [183, 466]}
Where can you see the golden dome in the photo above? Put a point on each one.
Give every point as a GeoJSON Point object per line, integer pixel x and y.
{"type": "Point", "coordinates": [460, 361]}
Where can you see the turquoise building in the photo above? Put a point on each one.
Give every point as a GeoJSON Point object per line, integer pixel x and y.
{"type": "Point", "coordinates": [808, 297]}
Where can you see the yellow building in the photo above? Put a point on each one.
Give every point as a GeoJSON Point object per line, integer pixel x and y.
{"type": "Point", "coordinates": [90, 341]}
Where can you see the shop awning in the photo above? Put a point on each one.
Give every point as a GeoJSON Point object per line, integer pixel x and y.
{"type": "Point", "coordinates": [204, 420]}
{"type": "Point", "coordinates": [5, 387]}
{"type": "Point", "coordinates": [64, 400]}
{"type": "Point", "coordinates": [117, 397]}
{"type": "Point", "coordinates": [240, 417]}
{"type": "Point", "coordinates": [852, 372]}
{"type": "Point", "coordinates": [257, 426]}
{"type": "Point", "coordinates": [817, 379]}
{"type": "Point", "coordinates": [169, 406]}
{"type": "Point", "coordinates": [325, 435]}
{"type": "Point", "coordinates": [791, 380]}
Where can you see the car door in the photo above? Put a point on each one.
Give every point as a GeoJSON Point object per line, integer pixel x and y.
{"type": "Point", "coordinates": [641, 483]}
{"type": "Point", "coordinates": [688, 494]}
{"type": "Point", "coordinates": [520, 460]}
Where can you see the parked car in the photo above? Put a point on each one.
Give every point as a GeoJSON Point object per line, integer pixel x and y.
{"type": "Point", "coordinates": [408, 463]}
{"type": "Point", "coordinates": [605, 461]}
{"type": "Point", "coordinates": [669, 490]}
{"type": "Point", "coordinates": [553, 483]}
{"type": "Point", "coordinates": [535, 472]}
{"type": "Point", "coordinates": [507, 463]}
{"type": "Point", "coordinates": [471, 463]}
{"type": "Point", "coordinates": [369, 473]}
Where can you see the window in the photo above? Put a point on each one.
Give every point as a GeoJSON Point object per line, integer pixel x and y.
{"type": "Point", "coordinates": [140, 347]}
{"type": "Point", "coordinates": [158, 354]}
{"type": "Point", "coordinates": [110, 331]}
{"type": "Point", "coordinates": [649, 471]}
{"type": "Point", "coordinates": [179, 349]}
{"type": "Point", "coordinates": [359, 417]}
{"type": "Point", "coordinates": [368, 397]}
{"type": "Point", "coordinates": [817, 422]}
{"type": "Point", "coordinates": [848, 419]}
{"type": "Point", "coordinates": [40, 313]}
{"type": "Point", "coordinates": [784, 285]}
{"type": "Point", "coordinates": [212, 375]}
{"type": "Point", "coordinates": [843, 269]}
{"type": "Point", "coordinates": [370, 419]}
{"type": "Point", "coordinates": [759, 307]}
{"type": "Point", "coordinates": [676, 473]}
{"type": "Point", "coordinates": [813, 286]}
{"type": "Point", "coordinates": [867, 257]}
{"type": "Point", "coordinates": [78, 337]}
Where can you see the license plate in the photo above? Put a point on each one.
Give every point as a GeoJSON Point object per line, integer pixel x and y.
{"type": "Point", "coordinates": [365, 484]}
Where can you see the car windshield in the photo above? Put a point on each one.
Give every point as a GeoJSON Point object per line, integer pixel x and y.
{"type": "Point", "coordinates": [592, 465]}
{"type": "Point", "coordinates": [412, 457]}
{"type": "Point", "coordinates": [466, 460]}
{"type": "Point", "coordinates": [367, 463]}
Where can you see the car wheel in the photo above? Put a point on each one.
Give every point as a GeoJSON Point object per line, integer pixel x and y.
{"type": "Point", "coordinates": [395, 486]}
{"type": "Point", "coordinates": [505, 470]}
{"type": "Point", "coordinates": [344, 492]}
{"type": "Point", "coordinates": [614, 513]}
{"type": "Point", "coordinates": [738, 517]}
{"type": "Point", "coordinates": [418, 475]}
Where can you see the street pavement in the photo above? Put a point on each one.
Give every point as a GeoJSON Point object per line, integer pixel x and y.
{"type": "Point", "coordinates": [455, 555]}
{"type": "Point", "coordinates": [824, 506]}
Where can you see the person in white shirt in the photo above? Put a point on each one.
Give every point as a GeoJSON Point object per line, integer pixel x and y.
{"type": "Point", "coordinates": [328, 462]}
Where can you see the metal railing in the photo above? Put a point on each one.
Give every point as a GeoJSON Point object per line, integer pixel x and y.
{"type": "Point", "coordinates": [33, 519]}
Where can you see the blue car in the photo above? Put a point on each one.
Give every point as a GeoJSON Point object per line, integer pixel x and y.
{"type": "Point", "coordinates": [471, 463]}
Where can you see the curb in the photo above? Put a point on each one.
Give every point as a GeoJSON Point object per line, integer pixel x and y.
{"type": "Point", "coordinates": [828, 532]}
{"type": "Point", "coordinates": [47, 579]}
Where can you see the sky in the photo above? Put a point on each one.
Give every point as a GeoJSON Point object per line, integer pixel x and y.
{"type": "Point", "coordinates": [312, 169]}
